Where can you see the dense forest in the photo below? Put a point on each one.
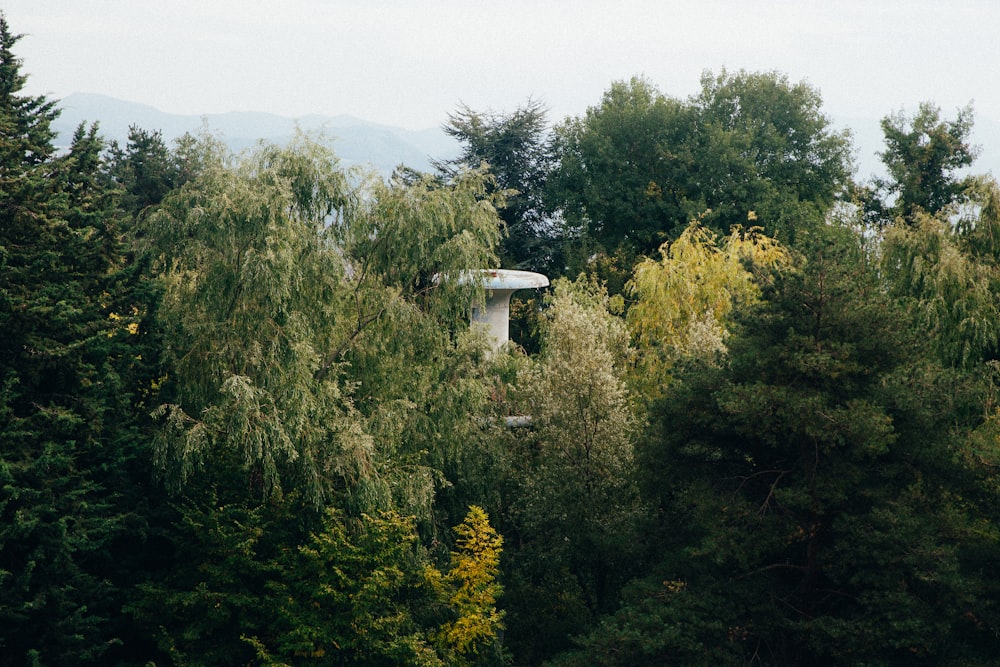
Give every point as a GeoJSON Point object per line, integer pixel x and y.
{"type": "Point", "coordinates": [245, 420]}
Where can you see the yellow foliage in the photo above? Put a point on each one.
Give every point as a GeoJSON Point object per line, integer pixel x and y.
{"type": "Point", "coordinates": [131, 327]}
{"type": "Point", "coordinates": [683, 298]}
{"type": "Point", "coordinates": [470, 587]}
{"type": "Point", "coordinates": [674, 585]}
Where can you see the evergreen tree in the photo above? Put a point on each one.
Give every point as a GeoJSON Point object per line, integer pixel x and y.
{"type": "Point", "coordinates": [145, 168]}
{"type": "Point", "coordinates": [813, 503]}
{"type": "Point", "coordinates": [517, 152]}
{"type": "Point", "coordinates": [70, 336]}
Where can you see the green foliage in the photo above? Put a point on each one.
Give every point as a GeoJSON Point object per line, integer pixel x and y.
{"type": "Point", "coordinates": [515, 148]}
{"type": "Point", "coordinates": [576, 503]}
{"type": "Point", "coordinates": [978, 220]}
{"type": "Point", "coordinates": [406, 345]}
{"type": "Point", "coordinates": [951, 293]}
{"type": "Point", "coordinates": [145, 168]}
{"type": "Point", "coordinates": [244, 258]}
{"type": "Point", "coordinates": [782, 454]}
{"type": "Point", "coordinates": [661, 622]}
{"type": "Point", "coordinates": [582, 418]}
{"type": "Point", "coordinates": [922, 154]}
{"type": "Point", "coordinates": [750, 149]}
{"type": "Point", "coordinates": [309, 323]}
{"type": "Point", "coordinates": [25, 121]}
{"type": "Point", "coordinates": [815, 482]}
{"type": "Point", "coordinates": [212, 591]}
{"type": "Point", "coordinates": [405, 234]}
{"type": "Point", "coordinates": [312, 353]}
{"type": "Point", "coordinates": [250, 584]}
{"type": "Point", "coordinates": [623, 169]}
{"type": "Point", "coordinates": [767, 154]}
{"type": "Point", "coordinates": [71, 445]}
{"type": "Point", "coordinates": [350, 596]}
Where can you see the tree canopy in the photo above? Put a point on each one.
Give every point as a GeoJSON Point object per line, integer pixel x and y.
{"type": "Point", "coordinates": [923, 154]}
{"type": "Point", "coordinates": [751, 149]}
{"type": "Point", "coordinates": [514, 147]}
{"type": "Point", "coordinates": [244, 418]}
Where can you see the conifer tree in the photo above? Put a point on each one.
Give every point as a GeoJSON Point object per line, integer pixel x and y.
{"type": "Point", "coordinates": [517, 151]}
{"type": "Point", "coordinates": [812, 498]}
{"type": "Point", "coordinates": [69, 335]}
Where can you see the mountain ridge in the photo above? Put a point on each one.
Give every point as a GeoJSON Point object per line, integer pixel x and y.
{"type": "Point", "coordinates": [384, 147]}
{"type": "Point", "coordinates": [355, 141]}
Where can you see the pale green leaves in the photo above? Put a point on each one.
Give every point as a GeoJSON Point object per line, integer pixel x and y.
{"type": "Point", "coordinates": [276, 272]}
{"type": "Point", "coordinates": [582, 417]}
{"type": "Point", "coordinates": [951, 292]}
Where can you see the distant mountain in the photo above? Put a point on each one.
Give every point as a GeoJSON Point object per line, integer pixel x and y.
{"type": "Point", "coordinates": [358, 142]}
{"type": "Point", "coordinates": [355, 141]}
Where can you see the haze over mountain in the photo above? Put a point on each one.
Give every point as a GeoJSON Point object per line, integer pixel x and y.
{"type": "Point", "coordinates": [360, 142]}
{"type": "Point", "coordinates": [356, 141]}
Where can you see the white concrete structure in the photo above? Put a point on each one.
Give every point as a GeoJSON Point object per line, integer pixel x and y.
{"type": "Point", "coordinates": [500, 284]}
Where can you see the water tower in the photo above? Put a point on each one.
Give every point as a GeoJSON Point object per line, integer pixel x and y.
{"type": "Point", "coordinates": [500, 284]}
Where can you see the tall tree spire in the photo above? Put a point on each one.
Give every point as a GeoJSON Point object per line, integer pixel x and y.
{"type": "Point", "coordinates": [25, 121]}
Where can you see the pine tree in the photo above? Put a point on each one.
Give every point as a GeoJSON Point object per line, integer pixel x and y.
{"type": "Point", "coordinates": [811, 488]}
{"type": "Point", "coordinates": [69, 333]}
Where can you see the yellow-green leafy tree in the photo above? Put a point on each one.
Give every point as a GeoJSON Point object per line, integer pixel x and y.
{"type": "Point", "coordinates": [682, 299]}
{"type": "Point", "coordinates": [362, 592]}
{"type": "Point", "coordinates": [470, 589]}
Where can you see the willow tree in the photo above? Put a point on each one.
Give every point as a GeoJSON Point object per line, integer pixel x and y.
{"type": "Point", "coordinates": [406, 345]}
{"type": "Point", "coordinates": [682, 300]}
{"type": "Point", "coordinates": [316, 358]}
{"type": "Point", "coordinates": [951, 293]}
{"type": "Point", "coordinates": [304, 315]}
{"type": "Point", "coordinates": [947, 266]}
{"type": "Point", "coordinates": [250, 291]}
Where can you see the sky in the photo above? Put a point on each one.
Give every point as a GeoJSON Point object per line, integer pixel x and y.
{"type": "Point", "coordinates": [409, 64]}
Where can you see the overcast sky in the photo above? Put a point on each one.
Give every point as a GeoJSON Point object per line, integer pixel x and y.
{"type": "Point", "coordinates": [410, 63]}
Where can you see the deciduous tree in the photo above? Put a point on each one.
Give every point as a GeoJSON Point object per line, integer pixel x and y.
{"type": "Point", "coordinates": [575, 503]}
{"type": "Point", "coordinates": [623, 171]}
{"type": "Point", "coordinates": [767, 154]}
{"type": "Point", "coordinates": [923, 154]}
{"type": "Point", "coordinates": [682, 301]}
